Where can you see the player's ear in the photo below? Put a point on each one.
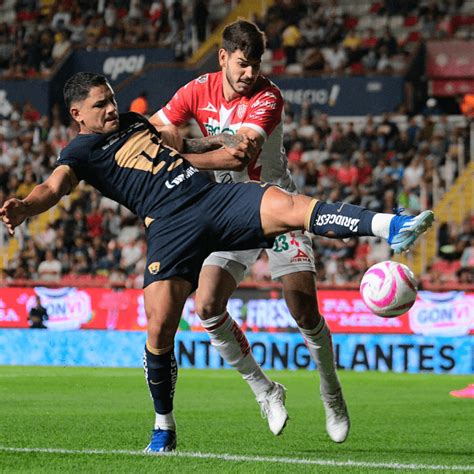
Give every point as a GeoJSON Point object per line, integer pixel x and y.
{"type": "Point", "coordinates": [223, 56]}
{"type": "Point", "coordinates": [75, 113]}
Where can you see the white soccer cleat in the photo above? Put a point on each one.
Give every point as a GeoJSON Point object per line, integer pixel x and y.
{"type": "Point", "coordinates": [272, 406]}
{"type": "Point", "coordinates": [337, 417]}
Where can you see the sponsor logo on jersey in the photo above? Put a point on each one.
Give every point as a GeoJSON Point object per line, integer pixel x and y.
{"type": "Point", "coordinates": [269, 94]}
{"type": "Point", "coordinates": [269, 104]}
{"type": "Point", "coordinates": [257, 113]}
{"type": "Point", "coordinates": [213, 127]}
{"type": "Point", "coordinates": [349, 222]}
{"type": "Point", "coordinates": [180, 178]}
{"type": "Point", "coordinates": [300, 257]}
{"type": "Point", "coordinates": [209, 108]}
{"type": "Point", "coordinates": [154, 268]}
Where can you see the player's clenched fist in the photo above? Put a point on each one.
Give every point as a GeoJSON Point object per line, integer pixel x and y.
{"type": "Point", "coordinates": [13, 213]}
{"type": "Point", "coordinates": [242, 142]}
{"type": "Point", "coordinates": [240, 149]}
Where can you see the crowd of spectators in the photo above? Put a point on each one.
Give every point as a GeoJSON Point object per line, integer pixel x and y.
{"type": "Point", "coordinates": [326, 36]}
{"type": "Point", "coordinates": [355, 37]}
{"type": "Point", "coordinates": [36, 34]}
{"type": "Point", "coordinates": [382, 163]}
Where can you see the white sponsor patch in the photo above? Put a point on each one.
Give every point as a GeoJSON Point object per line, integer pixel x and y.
{"type": "Point", "coordinates": [180, 178]}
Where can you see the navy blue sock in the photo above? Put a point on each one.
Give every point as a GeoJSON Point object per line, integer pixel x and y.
{"type": "Point", "coordinates": [161, 373]}
{"type": "Point", "coordinates": [340, 220]}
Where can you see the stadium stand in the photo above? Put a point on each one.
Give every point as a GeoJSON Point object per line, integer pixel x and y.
{"type": "Point", "coordinates": [385, 163]}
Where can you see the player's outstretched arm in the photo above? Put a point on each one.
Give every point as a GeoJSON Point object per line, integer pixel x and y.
{"type": "Point", "coordinates": [43, 197]}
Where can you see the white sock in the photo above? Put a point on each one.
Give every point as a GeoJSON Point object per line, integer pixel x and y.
{"type": "Point", "coordinates": [319, 343]}
{"type": "Point", "coordinates": [381, 225]}
{"type": "Point", "coordinates": [232, 344]}
{"type": "Point", "coordinates": [165, 422]}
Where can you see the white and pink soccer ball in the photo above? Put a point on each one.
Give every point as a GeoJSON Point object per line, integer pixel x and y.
{"type": "Point", "coordinates": [388, 289]}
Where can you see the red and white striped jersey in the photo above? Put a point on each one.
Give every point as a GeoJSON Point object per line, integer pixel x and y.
{"type": "Point", "coordinates": [203, 100]}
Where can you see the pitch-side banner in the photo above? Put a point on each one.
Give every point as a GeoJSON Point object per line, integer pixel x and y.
{"type": "Point", "coordinates": [34, 90]}
{"type": "Point", "coordinates": [434, 314]}
{"type": "Point", "coordinates": [450, 59]}
{"type": "Point", "coordinates": [120, 64]}
{"type": "Point", "coordinates": [344, 95]}
{"type": "Point", "coordinates": [450, 87]}
{"type": "Point", "coordinates": [360, 352]}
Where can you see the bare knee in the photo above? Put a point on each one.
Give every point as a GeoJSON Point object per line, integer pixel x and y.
{"type": "Point", "coordinates": [160, 331]}
{"type": "Point", "coordinates": [209, 304]}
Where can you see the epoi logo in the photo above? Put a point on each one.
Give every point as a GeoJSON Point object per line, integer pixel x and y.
{"type": "Point", "coordinates": [442, 314]}
{"type": "Point", "coordinates": [117, 65]}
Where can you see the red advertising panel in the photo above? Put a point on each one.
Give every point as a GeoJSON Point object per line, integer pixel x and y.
{"type": "Point", "coordinates": [447, 314]}
{"type": "Point", "coordinates": [345, 312]}
{"type": "Point", "coordinates": [450, 59]}
{"type": "Point", "coordinates": [450, 87]}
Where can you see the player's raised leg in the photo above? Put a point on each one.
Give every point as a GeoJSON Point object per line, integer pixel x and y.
{"type": "Point", "coordinates": [281, 212]}
{"type": "Point", "coordinates": [216, 285]}
{"type": "Point", "coordinates": [300, 294]}
{"type": "Point", "coordinates": [164, 302]}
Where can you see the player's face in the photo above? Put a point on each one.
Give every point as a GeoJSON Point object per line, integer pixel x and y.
{"type": "Point", "coordinates": [240, 73]}
{"type": "Point", "coordinates": [98, 112]}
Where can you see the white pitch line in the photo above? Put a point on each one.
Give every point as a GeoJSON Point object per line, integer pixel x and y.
{"type": "Point", "coordinates": [239, 458]}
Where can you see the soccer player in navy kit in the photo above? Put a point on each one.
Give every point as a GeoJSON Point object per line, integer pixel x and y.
{"type": "Point", "coordinates": [187, 216]}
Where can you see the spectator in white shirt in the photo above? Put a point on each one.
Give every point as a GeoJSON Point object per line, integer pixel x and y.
{"type": "Point", "coordinates": [50, 268]}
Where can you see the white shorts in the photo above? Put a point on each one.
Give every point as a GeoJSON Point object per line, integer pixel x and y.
{"type": "Point", "coordinates": [291, 253]}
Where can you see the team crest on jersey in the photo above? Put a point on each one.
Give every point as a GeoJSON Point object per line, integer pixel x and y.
{"type": "Point", "coordinates": [241, 109]}
{"type": "Point", "coordinates": [300, 257]}
{"type": "Point", "coordinates": [154, 268]}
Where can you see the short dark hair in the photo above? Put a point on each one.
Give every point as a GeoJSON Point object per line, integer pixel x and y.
{"type": "Point", "coordinates": [246, 36]}
{"type": "Point", "coordinates": [78, 86]}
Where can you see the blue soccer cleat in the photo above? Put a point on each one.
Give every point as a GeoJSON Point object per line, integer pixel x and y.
{"type": "Point", "coordinates": [162, 441]}
{"type": "Point", "coordinates": [404, 230]}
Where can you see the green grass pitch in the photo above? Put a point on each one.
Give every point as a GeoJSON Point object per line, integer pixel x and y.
{"type": "Point", "coordinates": [98, 420]}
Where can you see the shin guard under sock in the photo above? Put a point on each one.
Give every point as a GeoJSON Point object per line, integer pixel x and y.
{"type": "Point", "coordinates": [161, 373]}
{"type": "Point", "coordinates": [340, 220]}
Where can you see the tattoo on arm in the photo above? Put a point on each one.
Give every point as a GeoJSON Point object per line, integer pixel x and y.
{"type": "Point", "coordinates": [200, 145]}
{"type": "Point", "coordinates": [231, 141]}
{"type": "Point", "coordinates": [213, 142]}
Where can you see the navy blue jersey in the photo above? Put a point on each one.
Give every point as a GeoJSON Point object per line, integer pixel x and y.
{"type": "Point", "coordinates": [133, 167]}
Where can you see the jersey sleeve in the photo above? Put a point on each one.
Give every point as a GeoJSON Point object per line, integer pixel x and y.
{"type": "Point", "coordinates": [180, 108]}
{"type": "Point", "coordinates": [265, 112]}
{"type": "Point", "coordinates": [66, 158]}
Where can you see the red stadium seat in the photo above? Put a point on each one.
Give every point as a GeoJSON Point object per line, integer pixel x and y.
{"type": "Point", "coordinates": [410, 21]}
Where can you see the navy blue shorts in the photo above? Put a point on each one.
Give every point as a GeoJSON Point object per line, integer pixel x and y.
{"type": "Point", "coordinates": [226, 217]}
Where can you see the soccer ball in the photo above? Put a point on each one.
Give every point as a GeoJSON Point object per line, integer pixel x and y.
{"type": "Point", "coordinates": [388, 289]}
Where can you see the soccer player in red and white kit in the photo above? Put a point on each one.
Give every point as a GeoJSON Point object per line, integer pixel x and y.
{"type": "Point", "coordinates": [229, 105]}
